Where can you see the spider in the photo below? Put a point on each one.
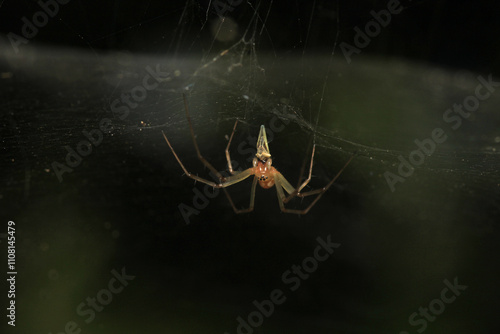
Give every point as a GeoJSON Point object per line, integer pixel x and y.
{"type": "Point", "coordinates": [264, 173]}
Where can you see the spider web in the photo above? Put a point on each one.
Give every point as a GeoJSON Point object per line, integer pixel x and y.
{"type": "Point", "coordinates": [235, 63]}
{"type": "Point", "coordinates": [373, 108]}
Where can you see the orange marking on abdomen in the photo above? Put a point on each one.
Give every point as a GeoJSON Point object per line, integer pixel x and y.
{"type": "Point", "coordinates": [266, 184]}
{"type": "Point", "coordinates": [265, 175]}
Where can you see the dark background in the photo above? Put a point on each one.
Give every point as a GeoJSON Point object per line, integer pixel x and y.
{"type": "Point", "coordinates": [455, 34]}
{"type": "Point", "coordinates": [119, 207]}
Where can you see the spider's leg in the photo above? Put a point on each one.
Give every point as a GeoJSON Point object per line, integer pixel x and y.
{"type": "Point", "coordinates": [228, 157]}
{"type": "Point", "coordinates": [281, 197]}
{"type": "Point", "coordinates": [237, 177]}
{"type": "Point", "coordinates": [310, 173]}
{"type": "Point", "coordinates": [280, 181]}
{"type": "Point", "coordinates": [223, 181]}
{"type": "Point", "coordinates": [202, 159]}
{"type": "Point", "coordinates": [226, 182]}
{"type": "Point", "coordinates": [285, 184]}
{"type": "Point", "coordinates": [303, 167]}
{"type": "Point", "coordinates": [252, 199]}
{"type": "Point", "coordinates": [317, 191]}
{"type": "Point", "coordinates": [325, 188]}
{"type": "Point", "coordinates": [294, 192]}
{"type": "Point", "coordinates": [194, 177]}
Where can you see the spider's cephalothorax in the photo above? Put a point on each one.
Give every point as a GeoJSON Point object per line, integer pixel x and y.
{"type": "Point", "coordinates": [264, 173]}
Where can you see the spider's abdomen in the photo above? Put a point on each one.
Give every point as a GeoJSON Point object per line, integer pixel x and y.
{"type": "Point", "coordinates": [265, 175]}
{"type": "Point", "coordinates": [266, 182]}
